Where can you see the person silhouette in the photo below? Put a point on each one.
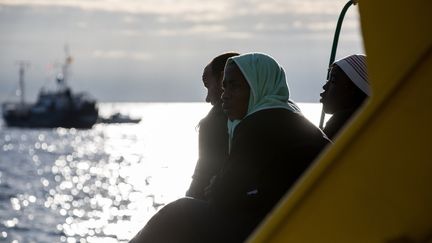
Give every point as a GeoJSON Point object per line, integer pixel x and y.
{"type": "Point", "coordinates": [344, 92]}
{"type": "Point", "coordinates": [213, 135]}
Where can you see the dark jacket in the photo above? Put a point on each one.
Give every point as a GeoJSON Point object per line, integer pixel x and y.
{"type": "Point", "coordinates": [213, 151]}
{"type": "Point", "coordinates": [270, 150]}
{"type": "Point", "coordinates": [337, 122]}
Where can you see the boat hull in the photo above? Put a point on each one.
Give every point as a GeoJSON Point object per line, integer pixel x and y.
{"type": "Point", "coordinates": [71, 118]}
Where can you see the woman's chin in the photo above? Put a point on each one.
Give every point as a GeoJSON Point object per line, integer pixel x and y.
{"type": "Point", "coordinates": [230, 115]}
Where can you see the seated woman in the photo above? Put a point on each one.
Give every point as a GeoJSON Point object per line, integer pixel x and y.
{"type": "Point", "coordinates": [213, 133]}
{"type": "Point", "coordinates": [271, 144]}
{"type": "Point", "coordinates": [344, 92]}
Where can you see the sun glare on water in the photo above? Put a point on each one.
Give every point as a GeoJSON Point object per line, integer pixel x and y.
{"type": "Point", "coordinates": [101, 184]}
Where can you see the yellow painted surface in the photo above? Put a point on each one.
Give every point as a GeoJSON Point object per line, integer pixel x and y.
{"type": "Point", "coordinates": [375, 183]}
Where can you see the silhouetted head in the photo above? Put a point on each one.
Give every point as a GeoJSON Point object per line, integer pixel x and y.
{"type": "Point", "coordinates": [236, 92]}
{"type": "Point", "coordinates": [254, 82]}
{"type": "Point", "coordinates": [212, 77]}
{"type": "Point", "coordinates": [347, 86]}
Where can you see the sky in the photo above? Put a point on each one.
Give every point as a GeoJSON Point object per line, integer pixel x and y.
{"type": "Point", "coordinates": [155, 50]}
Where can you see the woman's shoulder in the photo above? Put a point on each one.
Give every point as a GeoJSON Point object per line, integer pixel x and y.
{"type": "Point", "coordinates": [281, 121]}
{"type": "Point", "coordinates": [275, 116]}
{"type": "Point", "coordinates": [215, 117]}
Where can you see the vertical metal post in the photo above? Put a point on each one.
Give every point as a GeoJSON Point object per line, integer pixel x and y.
{"type": "Point", "coordinates": [334, 47]}
{"type": "Point", "coordinates": [22, 67]}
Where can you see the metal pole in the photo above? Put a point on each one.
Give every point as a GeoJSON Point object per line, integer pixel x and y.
{"type": "Point", "coordinates": [334, 47]}
{"type": "Point", "coordinates": [22, 67]}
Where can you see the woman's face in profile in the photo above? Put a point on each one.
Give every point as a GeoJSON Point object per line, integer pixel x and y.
{"type": "Point", "coordinates": [337, 91]}
{"type": "Point", "coordinates": [213, 85]}
{"type": "Point", "coordinates": [236, 91]}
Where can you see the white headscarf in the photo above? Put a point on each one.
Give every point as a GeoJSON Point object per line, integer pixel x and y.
{"type": "Point", "coordinates": [266, 79]}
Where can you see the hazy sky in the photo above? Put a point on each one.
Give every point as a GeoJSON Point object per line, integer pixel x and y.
{"type": "Point", "coordinates": [155, 50]}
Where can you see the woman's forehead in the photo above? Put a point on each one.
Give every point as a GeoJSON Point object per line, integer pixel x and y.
{"type": "Point", "coordinates": [232, 71]}
{"type": "Point", "coordinates": [334, 69]}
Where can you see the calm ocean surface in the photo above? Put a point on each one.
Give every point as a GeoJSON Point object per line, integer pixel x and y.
{"type": "Point", "coordinates": [102, 184]}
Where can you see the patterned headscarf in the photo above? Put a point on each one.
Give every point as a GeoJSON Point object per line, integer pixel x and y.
{"type": "Point", "coordinates": [354, 67]}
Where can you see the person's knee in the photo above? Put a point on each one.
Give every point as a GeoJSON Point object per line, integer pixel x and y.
{"type": "Point", "coordinates": [178, 221]}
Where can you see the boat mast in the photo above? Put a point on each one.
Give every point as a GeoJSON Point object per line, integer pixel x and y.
{"type": "Point", "coordinates": [63, 76]}
{"type": "Point", "coordinates": [68, 61]}
{"type": "Point", "coordinates": [21, 91]}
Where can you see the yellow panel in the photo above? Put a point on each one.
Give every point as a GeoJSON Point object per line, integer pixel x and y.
{"type": "Point", "coordinates": [395, 34]}
{"type": "Point", "coordinates": [375, 183]}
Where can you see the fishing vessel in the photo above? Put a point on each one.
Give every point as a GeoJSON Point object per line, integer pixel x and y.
{"type": "Point", "coordinates": [58, 108]}
{"type": "Point", "coordinates": [118, 118]}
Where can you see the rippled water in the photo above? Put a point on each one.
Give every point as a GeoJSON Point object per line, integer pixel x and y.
{"type": "Point", "coordinates": [101, 184]}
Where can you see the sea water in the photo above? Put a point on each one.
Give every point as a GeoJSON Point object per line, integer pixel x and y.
{"type": "Point", "coordinates": [101, 184]}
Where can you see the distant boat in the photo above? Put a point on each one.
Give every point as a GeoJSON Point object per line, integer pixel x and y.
{"type": "Point", "coordinates": [59, 108]}
{"type": "Point", "coordinates": [118, 118]}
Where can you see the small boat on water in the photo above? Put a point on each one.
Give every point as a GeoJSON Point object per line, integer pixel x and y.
{"type": "Point", "coordinates": [118, 118]}
{"type": "Point", "coordinates": [58, 108]}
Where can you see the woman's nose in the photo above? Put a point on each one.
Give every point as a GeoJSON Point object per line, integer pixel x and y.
{"type": "Point", "coordinates": [325, 86]}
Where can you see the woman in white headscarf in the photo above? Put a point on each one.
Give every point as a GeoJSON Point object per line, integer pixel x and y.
{"type": "Point", "coordinates": [265, 79]}
{"type": "Point", "coordinates": [271, 144]}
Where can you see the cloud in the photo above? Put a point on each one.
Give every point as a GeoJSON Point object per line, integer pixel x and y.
{"type": "Point", "coordinates": [129, 19]}
{"type": "Point", "coordinates": [262, 26]}
{"type": "Point", "coordinates": [237, 35]}
{"type": "Point", "coordinates": [120, 54]}
{"type": "Point", "coordinates": [236, 19]}
{"type": "Point", "coordinates": [192, 10]}
{"type": "Point", "coordinates": [130, 33]}
{"type": "Point", "coordinates": [130, 6]}
{"type": "Point", "coordinates": [213, 31]}
{"type": "Point", "coordinates": [315, 25]}
{"type": "Point", "coordinates": [81, 24]}
{"type": "Point", "coordinates": [297, 7]}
